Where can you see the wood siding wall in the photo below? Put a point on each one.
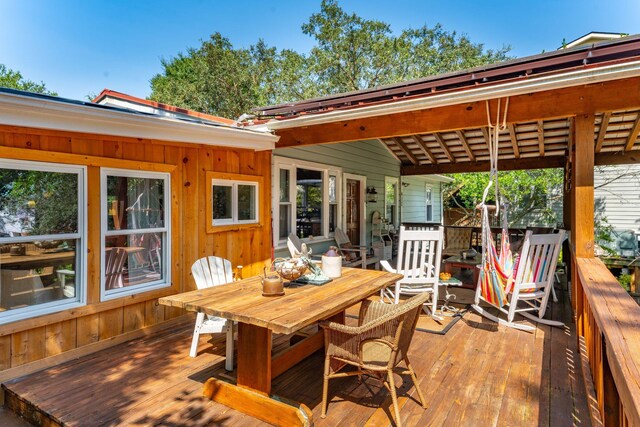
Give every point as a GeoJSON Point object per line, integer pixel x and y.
{"type": "Point", "coordinates": [413, 199]}
{"type": "Point", "coordinates": [368, 158]}
{"type": "Point", "coordinates": [37, 338]}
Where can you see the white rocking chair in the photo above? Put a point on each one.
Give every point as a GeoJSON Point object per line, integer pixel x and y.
{"type": "Point", "coordinates": [208, 272]}
{"type": "Point", "coordinates": [533, 282]}
{"type": "Point", "coordinates": [419, 256]}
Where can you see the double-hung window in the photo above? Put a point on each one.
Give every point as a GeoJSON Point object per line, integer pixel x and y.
{"type": "Point", "coordinates": [306, 199]}
{"type": "Point", "coordinates": [135, 232]}
{"type": "Point", "coordinates": [42, 238]}
{"type": "Point", "coordinates": [233, 200]}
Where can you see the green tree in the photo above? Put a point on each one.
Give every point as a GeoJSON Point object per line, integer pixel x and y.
{"type": "Point", "coordinates": [32, 201]}
{"type": "Point", "coordinates": [14, 80]}
{"type": "Point", "coordinates": [526, 192]}
{"type": "Point", "coordinates": [351, 53]}
{"type": "Point", "coordinates": [218, 79]}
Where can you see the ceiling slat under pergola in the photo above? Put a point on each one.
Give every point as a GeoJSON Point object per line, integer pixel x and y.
{"type": "Point", "coordinates": [616, 131]}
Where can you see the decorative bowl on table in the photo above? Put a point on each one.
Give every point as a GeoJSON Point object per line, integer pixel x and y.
{"type": "Point", "coordinates": [445, 276]}
{"type": "Point", "coordinates": [290, 269]}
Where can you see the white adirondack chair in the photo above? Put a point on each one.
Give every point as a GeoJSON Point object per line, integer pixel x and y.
{"type": "Point", "coordinates": [533, 282]}
{"type": "Point", "coordinates": [208, 272]}
{"type": "Point", "coordinates": [419, 256]}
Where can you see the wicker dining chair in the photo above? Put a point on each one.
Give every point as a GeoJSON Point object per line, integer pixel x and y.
{"type": "Point", "coordinates": [376, 346]}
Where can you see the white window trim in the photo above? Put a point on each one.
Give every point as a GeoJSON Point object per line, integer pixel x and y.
{"type": "Point", "coordinates": [292, 165]}
{"type": "Point", "coordinates": [104, 232]}
{"type": "Point", "coordinates": [428, 189]}
{"type": "Point", "coordinates": [81, 251]}
{"type": "Point", "coordinates": [234, 202]}
{"type": "Point", "coordinates": [396, 211]}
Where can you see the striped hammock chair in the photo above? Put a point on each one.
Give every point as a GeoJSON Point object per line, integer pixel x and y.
{"type": "Point", "coordinates": [496, 274]}
{"type": "Point", "coordinates": [497, 271]}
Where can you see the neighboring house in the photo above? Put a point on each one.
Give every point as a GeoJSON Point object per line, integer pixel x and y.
{"type": "Point", "coordinates": [617, 205]}
{"type": "Point", "coordinates": [617, 188]}
{"type": "Point", "coordinates": [131, 200]}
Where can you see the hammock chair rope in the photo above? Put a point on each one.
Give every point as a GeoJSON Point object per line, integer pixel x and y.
{"type": "Point", "coordinates": [495, 276]}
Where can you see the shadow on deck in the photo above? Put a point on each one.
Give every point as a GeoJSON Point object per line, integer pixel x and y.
{"type": "Point", "coordinates": [476, 374]}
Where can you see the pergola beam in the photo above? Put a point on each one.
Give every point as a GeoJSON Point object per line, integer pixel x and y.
{"type": "Point", "coordinates": [443, 146]}
{"type": "Point", "coordinates": [633, 136]}
{"type": "Point", "coordinates": [618, 158]}
{"type": "Point", "coordinates": [424, 148]}
{"type": "Point", "coordinates": [406, 151]}
{"type": "Point", "coordinates": [483, 166]}
{"type": "Point", "coordinates": [606, 96]}
{"type": "Point", "coordinates": [514, 140]}
{"type": "Point", "coordinates": [393, 153]}
{"type": "Point", "coordinates": [465, 145]}
{"type": "Point", "coordinates": [603, 130]}
{"type": "Point", "coordinates": [541, 138]}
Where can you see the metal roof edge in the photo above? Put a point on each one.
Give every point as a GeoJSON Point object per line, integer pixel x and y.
{"type": "Point", "coordinates": [43, 111]}
{"type": "Point", "coordinates": [499, 90]}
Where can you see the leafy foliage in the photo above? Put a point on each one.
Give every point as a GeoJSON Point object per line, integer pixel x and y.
{"type": "Point", "coordinates": [37, 202]}
{"type": "Point", "coordinates": [525, 191]}
{"type": "Point", "coordinates": [351, 53]}
{"type": "Point", "coordinates": [14, 80]}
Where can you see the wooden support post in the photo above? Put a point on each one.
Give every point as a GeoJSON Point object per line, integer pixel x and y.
{"type": "Point", "coordinates": [566, 218]}
{"type": "Point", "coordinates": [254, 366]}
{"type": "Point", "coordinates": [583, 212]}
{"type": "Point", "coordinates": [582, 204]}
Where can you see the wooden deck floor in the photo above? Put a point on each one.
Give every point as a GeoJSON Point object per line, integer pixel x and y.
{"type": "Point", "coordinates": [477, 374]}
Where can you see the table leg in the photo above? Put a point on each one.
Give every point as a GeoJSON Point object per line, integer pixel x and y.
{"type": "Point", "coordinates": [476, 276]}
{"type": "Point", "coordinates": [251, 395]}
{"type": "Point", "coordinates": [254, 357]}
{"type": "Point", "coordinates": [448, 267]}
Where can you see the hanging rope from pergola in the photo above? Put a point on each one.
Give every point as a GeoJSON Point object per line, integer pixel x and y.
{"type": "Point", "coordinates": [496, 275]}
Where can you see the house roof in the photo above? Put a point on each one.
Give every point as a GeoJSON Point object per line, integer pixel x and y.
{"type": "Point", "coordinates": [108, 96]}
{"type": "Point", "coordinates": [528, 68]}
{"type": "Point", "coordinates": [592, 37]}
{"type": "Point", "coordinates": [21, 108]}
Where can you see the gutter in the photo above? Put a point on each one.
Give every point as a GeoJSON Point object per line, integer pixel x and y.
{"type": "Point", "coordinates": [26, 111]}
{"type": "Point", "coordinates": [530, 85]}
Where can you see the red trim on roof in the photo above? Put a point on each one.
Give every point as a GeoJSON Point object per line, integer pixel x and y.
{"type": "Point", "coordinates": [159, 105]}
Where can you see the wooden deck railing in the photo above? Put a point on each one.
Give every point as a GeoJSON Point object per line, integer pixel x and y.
{"type": "Point", "coordinates": [609, 320]}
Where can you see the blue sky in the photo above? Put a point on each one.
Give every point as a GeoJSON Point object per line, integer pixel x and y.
{"type": "Point", "coordinates": [81, 47]}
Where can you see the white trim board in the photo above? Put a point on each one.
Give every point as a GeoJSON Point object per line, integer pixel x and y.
{"type": "Point", "coordinates": [26, 111]}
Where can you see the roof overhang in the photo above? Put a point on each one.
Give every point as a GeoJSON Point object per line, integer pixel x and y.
{"type": "Point", "coordinates": [432, 178]}
{"type": "Point", "coordinates": [47, 113]}
{"type": "Point", "coordinates": [522, 86]}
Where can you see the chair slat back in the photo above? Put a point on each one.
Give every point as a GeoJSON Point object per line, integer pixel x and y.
{"type": "Point", "coordinates": [538, 259]}
{"type": "Point", "coordinates": [417, 248]}
{"type": "Point", "coordinates": [211, 271]}
{"type": "Point", "coordinates": [341, 237]}
{"type": "Point", "coordinates": [114, 260]}
{"type": "Point", "coordinates": [294, 244]}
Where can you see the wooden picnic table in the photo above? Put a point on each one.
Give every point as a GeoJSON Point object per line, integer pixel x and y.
{"type": "Point", "coordinates": [258, 317]}
{"type": "Point", "coordinates": [37, 259]}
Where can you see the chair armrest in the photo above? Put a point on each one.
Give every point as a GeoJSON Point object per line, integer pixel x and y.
{"type": "Point", "coordinates": [385, 264]}
{"type": "Point", "coordinates": [353, 249]}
